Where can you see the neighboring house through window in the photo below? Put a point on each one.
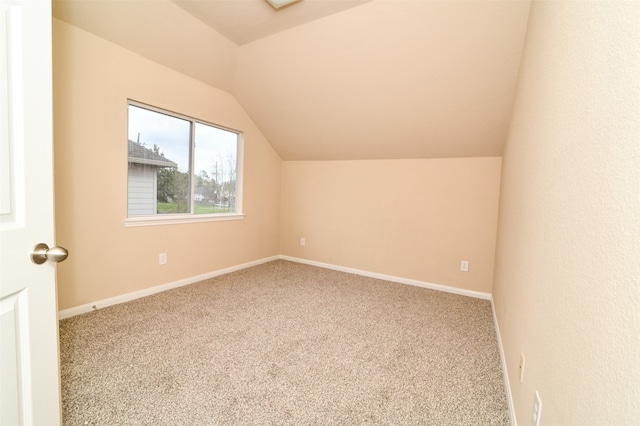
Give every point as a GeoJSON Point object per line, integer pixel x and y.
{"type": "Point", "coordinates": [143, 179]}
{"type": "Point", "coordinates": [180, 167]}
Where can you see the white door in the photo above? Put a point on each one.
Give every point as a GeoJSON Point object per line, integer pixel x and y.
{"type": "Point", "coordinates": [30, 386]}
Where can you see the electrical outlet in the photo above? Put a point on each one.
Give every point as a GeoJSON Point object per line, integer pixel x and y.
{"type": "Point", "coordinates": [521, 368]}
{"type": "Point", "coordinates": [303, 241]}
{"type": "Point", "coordinates": [464, 266]}
{"type": "Point", "coordinates": [162, 259]}
{"type": "Point", "coordinates": [537, 410]}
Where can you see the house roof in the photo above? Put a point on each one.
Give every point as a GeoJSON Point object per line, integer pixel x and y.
{"type": "Point", "coordinates": [140, 154]}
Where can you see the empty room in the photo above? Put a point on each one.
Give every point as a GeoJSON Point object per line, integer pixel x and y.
{"type": "Point", "coordinates": [320, 212]}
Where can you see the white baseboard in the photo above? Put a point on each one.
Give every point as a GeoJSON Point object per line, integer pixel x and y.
{"type": "Point", "coordinates": [503, 360]}
{"type": "Point", "coordinates": [83, 309]}
{"type": "Point", "coordinates": [88, 307]}
{"type": "Point", "coordinates": [423, 284]}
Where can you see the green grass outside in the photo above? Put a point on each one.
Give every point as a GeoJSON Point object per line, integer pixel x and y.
{"type": "Point", "coordinates": [176, 208]}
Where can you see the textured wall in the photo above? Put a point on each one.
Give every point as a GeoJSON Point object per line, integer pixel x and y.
{"type": "Point", "coordinates": [92, 80]}
{"type": "Point", "coordinates": [413, 219]}
{"type": "Point", "coordinates": [567, 285]}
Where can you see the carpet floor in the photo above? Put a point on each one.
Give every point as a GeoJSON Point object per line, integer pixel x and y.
{"type": "Point", "coordinates": [281, 344]}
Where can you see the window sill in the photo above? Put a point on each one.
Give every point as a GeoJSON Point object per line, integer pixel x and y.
{"type": "Point", "coordinates": [179, 219]}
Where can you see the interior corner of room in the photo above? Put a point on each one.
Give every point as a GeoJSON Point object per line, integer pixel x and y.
{"type": "Point", "coordinates": [390, 139]}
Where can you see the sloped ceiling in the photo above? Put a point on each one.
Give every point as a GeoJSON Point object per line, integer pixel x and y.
{"type": "Point", "coordinates": [158, 30]}
{"type": "Point", "coordinates": [374, 80]}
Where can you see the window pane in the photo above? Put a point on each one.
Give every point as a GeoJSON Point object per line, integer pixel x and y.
{"type": "Point", "coordinates": [178, 165]}
{"type": "Point", "coordinates": [158, 163]}
{"type": "Point", "coordinates": [215, 169]}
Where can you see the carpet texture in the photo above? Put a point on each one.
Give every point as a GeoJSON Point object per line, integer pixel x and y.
{"type": "Point", "coordinates": [284, 343]}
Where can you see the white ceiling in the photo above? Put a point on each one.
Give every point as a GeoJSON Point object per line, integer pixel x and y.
{"type": "Point", "coordinates": [339, 79]}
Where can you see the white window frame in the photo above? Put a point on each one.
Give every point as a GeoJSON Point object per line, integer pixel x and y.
{"type": "Point", "coordinates": [180, 218]}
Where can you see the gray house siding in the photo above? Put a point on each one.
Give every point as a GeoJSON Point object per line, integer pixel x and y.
{"type": "Point", "coordinates": [142, 180]}
{"type": "Point", "coordinates": [142, 189]}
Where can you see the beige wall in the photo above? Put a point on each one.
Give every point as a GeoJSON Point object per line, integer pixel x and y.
{"type": "Point", "coordinates": [92, 81]}
{"type": "Point", "coordinates": [413, 219]}
{"type": "Point", "coordinates": [567, 287]}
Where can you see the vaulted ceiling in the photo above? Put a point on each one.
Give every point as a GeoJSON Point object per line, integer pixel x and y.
{"type": "Point", "coordinates": [339, 79]}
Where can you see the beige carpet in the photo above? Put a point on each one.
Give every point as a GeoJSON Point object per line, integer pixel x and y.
{"type": "Point", "coordinates": [284, 343]}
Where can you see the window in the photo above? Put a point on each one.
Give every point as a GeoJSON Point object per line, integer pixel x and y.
{"type": "Point", "coordinates": [180, 169]}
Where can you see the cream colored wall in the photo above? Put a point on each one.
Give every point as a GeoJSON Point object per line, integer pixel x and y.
{"type": "Point", "coordinates": [567, 286]}
{"type": "Point", "coordinates": [92, 80]}
{"type": "Point", "coordinates": [413, 219]}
